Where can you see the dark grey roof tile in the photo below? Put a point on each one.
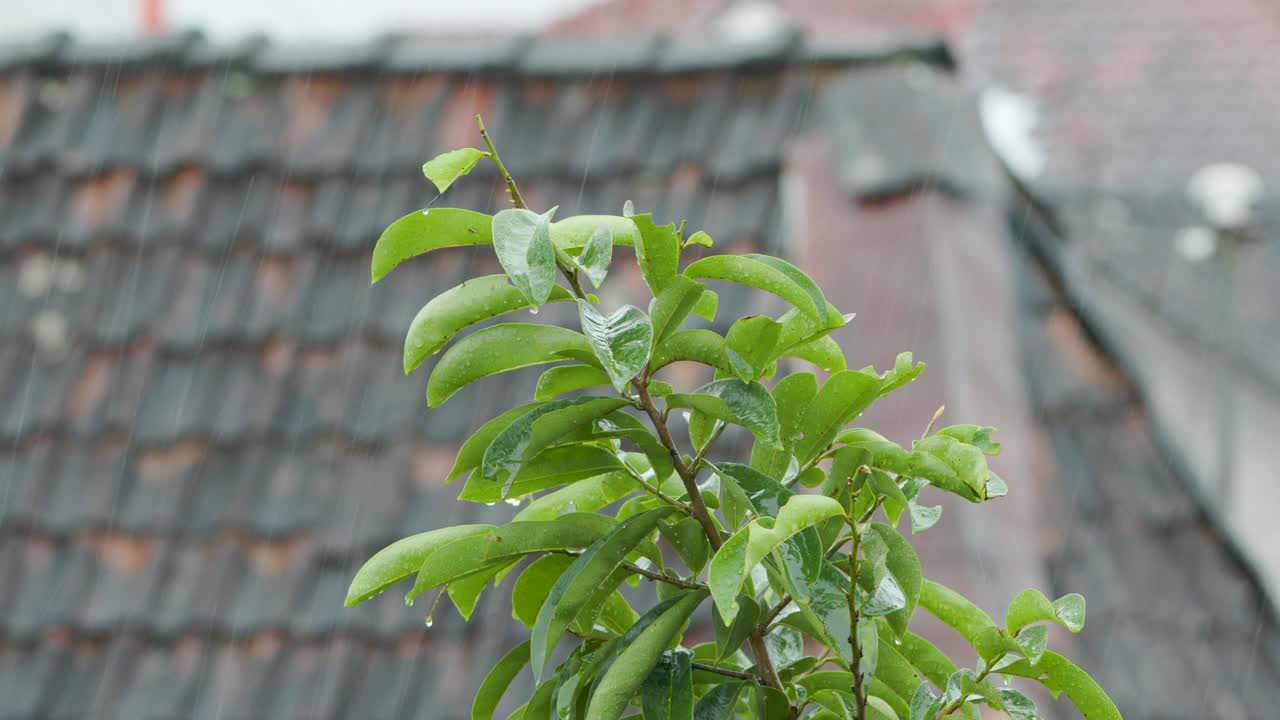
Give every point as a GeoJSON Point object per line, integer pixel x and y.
{"type": "Point", "coordinates": [592, 55]}
{"type": "Point", "coordinates": [27, 673]}
{"type": "Point", "coordinates": [469, 54]}
{"type": "Point", "coordinates": [128, 571]}
{"type": "Point", "coordinates": [163, 679]}
{"type": "Point", "coordinates": [689, 53]}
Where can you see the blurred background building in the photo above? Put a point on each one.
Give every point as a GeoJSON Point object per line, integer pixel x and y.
{"type": "Point", "coordinates": [204, 426]}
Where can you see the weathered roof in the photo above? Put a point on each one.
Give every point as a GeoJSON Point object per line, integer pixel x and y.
{"type": "Point", "coordinates": [204, 426]}
{"type": "Point", "coordinates": [1178, 624]}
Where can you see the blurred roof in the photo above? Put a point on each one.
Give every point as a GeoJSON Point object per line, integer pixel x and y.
{"type": "Point", "coordinates": [205, 424]}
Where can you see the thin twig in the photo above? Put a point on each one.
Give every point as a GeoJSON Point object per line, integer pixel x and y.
{"type": "Point", "coordinates": [724, 671]}
{"type": "Point", "coordinates": [654, 491]}
{"type": "Point", "coordinates": [659, 577]}
{"type": "Point", "coordinates": [512, 190]}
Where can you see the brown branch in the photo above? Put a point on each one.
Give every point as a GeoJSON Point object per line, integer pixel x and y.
{"type": "Point", "coordinates": [724, 671]}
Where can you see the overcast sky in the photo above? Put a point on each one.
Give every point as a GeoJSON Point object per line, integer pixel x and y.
{"type": "Point", "coordinates": [284, 19]}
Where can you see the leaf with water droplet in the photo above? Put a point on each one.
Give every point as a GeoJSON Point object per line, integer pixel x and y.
{"type": "Point", "coordinates": [522, 240]}
{"type": "Point", "coordinates": [731, 400]}
{"type": "Point", "coordinates": [421, 232]}
{"type": "Point", "coordinates": [443, 169]}
{"type": "Point", "coordinates": [621, 340]}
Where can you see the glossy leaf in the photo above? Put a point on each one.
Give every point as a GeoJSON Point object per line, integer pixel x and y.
{"type": "Point", "coordinates": [472, 451]}
{"type": "Point", "coordinates": [621, 340]}
{"type": "Point", "coordinates": [474, 552]}
{"type": "Point", "coordinates": [543, 425]}
{"type": "Point", "coordinates": [689, 541]}
{"type": "Point", "coordinates": [1061, 675]}
{"type": "Point", "coordinates": [465, 593]}
{"type": "Point", "coordinates": [569, 378]}
{"type": "Point", "coordinates": [903, 372]}
{"type": "Point", "coordinates": [422, 231]}
{"type": "Point", "coordinates": [658, 252]}
{"type": "Point", "coordinates": [1032, 606]}
{"type": "Point", "coordinates": [460, 307]}
{"type": "Point", "coordinates": [498, 680]}
{"type": "Point", "coordinates": [734, 401]}
{"type": "Point", "coordinates": [951, 465]}
{"type": "Point", "coordinates": [667, 693]}
{"type": "Point", "coordinates": [954, 610]}
{"type": "Point", "coordinates": [671, 306]}
{"type": "Point", "coordinates": [588, 572]}
{"type": "Point", "coordinates": [628, 672]}
{"type": "Point", "coordinates": [499, 349]}
{"type": "Point", "coordinates": [749, 346]}
{"type": "Point", "coordinates": [1018, 706]}
{"type": "Point", "coordinates": [842, 399]}
{"type": "Point", "coordinates": [978, 436]}
{"type": "Point", "coordinates": [699, 238]}
{"type": "Point", "coordinates": [594, 259]}
{"type": "Point", "coordinates": [443, 169]}
{"type": "Point", "coordinates": [719, 702]}
{"type": "Point", "coordinates": [522, 240]}
{"type": "Point", "coordinates": [573, 234]}
{"type": "Point", "coordinates": [403, 558]}
{"type": "Point", "coordinates": [750, 270]}
{"type": "Point", "coordinates": [827, 610]}
{"type": "Point", "coordinates": [927, 659]}
{"type": "Point", "coordinates": [903, 564]}
{"type": "Point", "coordinates": [823, 352]}
{"type": "Point", "coordinates": [749, 546]}
{"type": "Point", "coordinates": [730, 634]}
{"type": "Point", "coordinates": [702, 346]}
{"type": "Point", "coordinates": [550, 468]}
{"type": "Point", "coordinates": [586, 495]}
{"type": "Point", "coordinates": [880, 451]}
{"type": "Point", "coordinates": [792, 396]}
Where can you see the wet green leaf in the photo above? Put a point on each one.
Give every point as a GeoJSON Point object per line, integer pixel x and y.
{"type": "Point", "coordinates": [499, 349]}
{"type": "Point", "coordinates": [823, 352]}
{"type": "Point", "coordinates": [792, 395]}
{"type": "Point", "coordinates": [460, 307]}
{"type": "Point", "coordinates": [472, 451]}
{"type": "Point", "coordinates": [1032, 606]}
{"type": "Point", "coordinates": [699, 238]}
{"type": "Point", "coordinates": [763, 273]}
{"type": "Point", "coordinates": [841, 400]}
{"type": "Point", "coordinates": [633, 664]}
{"type": "Point", "coordinates": [667, 693]}
{"type": "Point", "coordinates": [465, 593]}
{"type": "Point", "coordinates": [749, 346]}
{"type": "Point", "coordinates": [569, 378]}
{"type": "Point", "coordinates": [658, 252]}
{"type": "Point", "coordinates": [749, 546]}
{"type": "Point", "coordinates": [522, 240]}
{"type": "Point", "coordinates": [903, 372]}
{"type": "Point", "coordinates": [719, 702]}
{"type": "Point", "coordinates": [951, 465]}
{"type": "Point", "coordinates": [954, 610]}
{"type": "Point", "coordinates": [621, 340]}
{"type": "Point", "coordinates": [573, 234]}
{"type": "Point", "coordinates": [976, 435]}
{"type": "Point", "coordinates": [443, 169]}
{"type": "Point", "coordinates": [403, 558]}
{"type": "Point", "coordinates": [927, 659]}
{"type": "Point", "coordinates": [550, 468]}
{"type": "Point", "coordinates": [903, 564]}
{"type": "Point", "coordinates": [734, 401]}
{"type": "Point", "coordinates": [596, 256]}
{"type": "Point", "coordinates": [550, 422]}
{"type": "Point", "coordinates": [575, 587]}
{"type": "Point", "coordinates": [702, 346]}
{"type": "Point", "coordinates": [732, 633]}
{"type": "Point", "coordinates": [689, 541]}
{"type": "Point", "coordinates": [498, 680]}
{"type": "Point", "coordinates": [422, 231]}
{"type": "Point", "coordinates": [1061, 675]}
{"type": "Point", "coordinates": [476, 552]}
{"type": "Point", "coordinates": [586, 495]}
{"type": "Point", "coordinates": [671, 306]}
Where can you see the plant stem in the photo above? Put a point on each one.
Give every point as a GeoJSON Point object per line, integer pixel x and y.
{"type": "Point", "coordinates": [689, 476]}
{"type": "Point", "coordinates": [512, 190]}
{"type": "Point", "coordinates": [855, 667]}
{"type": "Point", "coordinates": [725, 671]}
{"type": "Point", "coordinates": [954, 705]}
{"type": "Point", "coordinates": [659, 577]}
{"type": "Point", "coordinates": [654, 491]}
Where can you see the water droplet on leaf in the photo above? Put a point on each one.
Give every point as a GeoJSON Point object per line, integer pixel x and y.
{"type": "Point", "coordinates": [408, 601]}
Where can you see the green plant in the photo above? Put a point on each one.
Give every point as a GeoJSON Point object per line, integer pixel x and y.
{"type": "Point", "coordinates": [608, 482]}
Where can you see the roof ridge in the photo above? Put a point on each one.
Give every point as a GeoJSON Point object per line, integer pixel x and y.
{"type": "Point", "coordinates": [507, 53]}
